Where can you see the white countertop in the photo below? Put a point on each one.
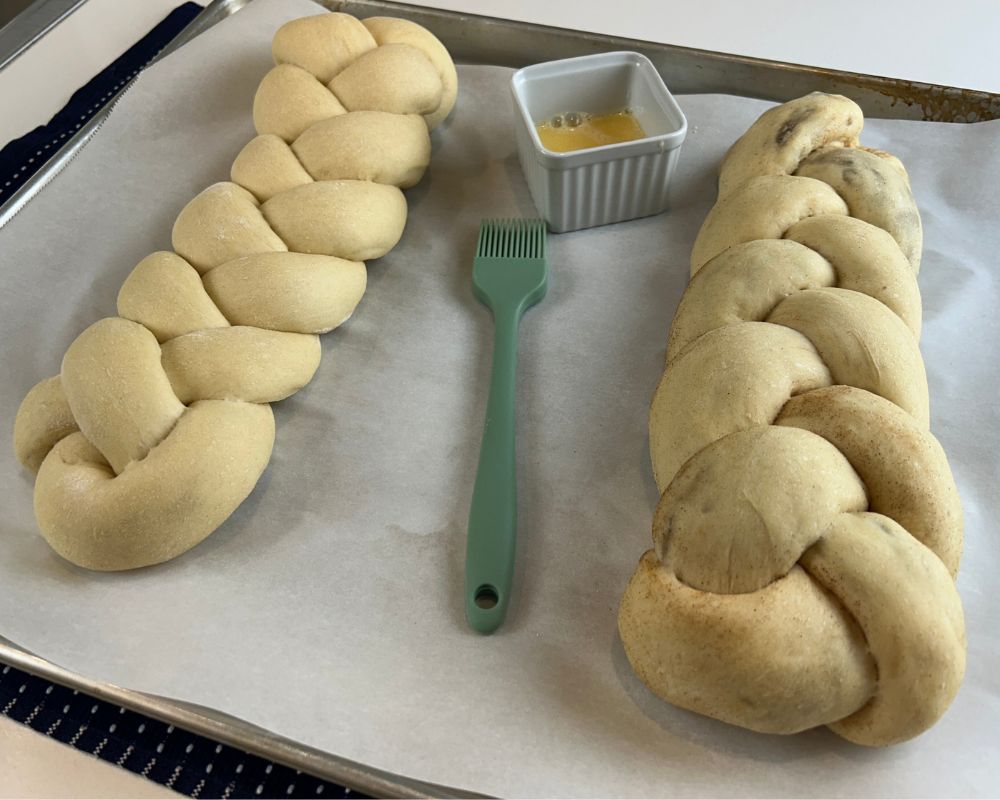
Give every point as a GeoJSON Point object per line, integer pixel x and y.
{"type": "Point", "coordinates": [953, 45]}
{"type": "Point", "coordinates": [32, 765]}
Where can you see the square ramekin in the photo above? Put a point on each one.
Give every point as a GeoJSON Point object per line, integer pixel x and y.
{"type": "Point", "coordinates": [600, 185]}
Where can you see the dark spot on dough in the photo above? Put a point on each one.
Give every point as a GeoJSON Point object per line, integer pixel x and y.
{"type": "Point", "coordinates": [789, 125]}
{"type": "Point", "coordinates": [881, 523]}
{"type": "Point", "coordinates": [850, 121]}
{"type": "Point", "coordinates": [838, 156]}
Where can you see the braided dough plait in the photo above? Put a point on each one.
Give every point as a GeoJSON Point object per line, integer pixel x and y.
{"type": "Point", "coordinates": [809, 528]}
{"type": "Point", "coordinates": [158, 425]}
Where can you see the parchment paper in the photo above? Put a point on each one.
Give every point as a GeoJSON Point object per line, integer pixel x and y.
{"type": "Point", "coordinates": [329, 608]}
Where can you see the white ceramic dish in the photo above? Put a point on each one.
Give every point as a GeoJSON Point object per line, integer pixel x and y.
{"type": "Point", "coordinates": [599, 185]}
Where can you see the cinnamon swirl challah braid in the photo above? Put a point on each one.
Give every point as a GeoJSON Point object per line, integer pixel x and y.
{"type": "Point", "coordinates": [809, 529]}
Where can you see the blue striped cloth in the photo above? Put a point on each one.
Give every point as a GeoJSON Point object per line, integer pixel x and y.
{"type": "Point", "coordinates": [22, 158]}
{"type": "Point", "coordinates": [183, 761]}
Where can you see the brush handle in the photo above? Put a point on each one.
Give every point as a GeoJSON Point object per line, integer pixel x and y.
{"type": "Point", "coordinates": [489, 559]}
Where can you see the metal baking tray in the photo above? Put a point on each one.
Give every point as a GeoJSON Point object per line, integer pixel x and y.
{"type": "Point", "coordinates": [484, 40]}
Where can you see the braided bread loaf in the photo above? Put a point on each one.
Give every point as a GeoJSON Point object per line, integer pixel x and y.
{"type": "Point", "coordinates": [157, 426]}
{"type": "Point", "coordinates": [809, 529]}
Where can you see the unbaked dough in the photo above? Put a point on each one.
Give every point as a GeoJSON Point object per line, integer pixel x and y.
{"type": "Point", "coordinates": [158, 425]}
{"type": "Point", "coordinates": [809, 530]}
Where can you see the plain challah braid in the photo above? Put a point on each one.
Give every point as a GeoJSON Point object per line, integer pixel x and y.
{"type": "Point", "coordinates": [157, 426]}
{"type": "Point", "coordinates": [809, 529]}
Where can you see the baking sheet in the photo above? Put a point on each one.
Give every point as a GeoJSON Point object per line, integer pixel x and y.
{"type": "Point", "coordinates": [329, 608]}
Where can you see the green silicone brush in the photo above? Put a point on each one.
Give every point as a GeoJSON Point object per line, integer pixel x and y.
{"type": "Point", "coordinates": [509, 275]}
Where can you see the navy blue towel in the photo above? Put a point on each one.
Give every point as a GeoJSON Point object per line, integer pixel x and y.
{"type": "Point", "coordinates": [185, 762]}
{"type": "Point", "coordinates": [22, 158]}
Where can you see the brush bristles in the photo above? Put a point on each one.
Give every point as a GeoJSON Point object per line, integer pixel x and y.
{"type": "Point", "coordinates": [511, 238]}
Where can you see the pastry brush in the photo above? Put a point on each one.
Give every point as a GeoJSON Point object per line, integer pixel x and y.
{"type": "Point", "coordinates": [509, 275]}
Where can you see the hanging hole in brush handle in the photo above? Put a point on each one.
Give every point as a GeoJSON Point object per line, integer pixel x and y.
{"type": "Point", "coordinates": [486, 597]}
{"type": "Point", "coordinates": [485, 608]}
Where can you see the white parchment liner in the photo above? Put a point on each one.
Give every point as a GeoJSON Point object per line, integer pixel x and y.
{"type": "Point", "coordinates": [329, 608]}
